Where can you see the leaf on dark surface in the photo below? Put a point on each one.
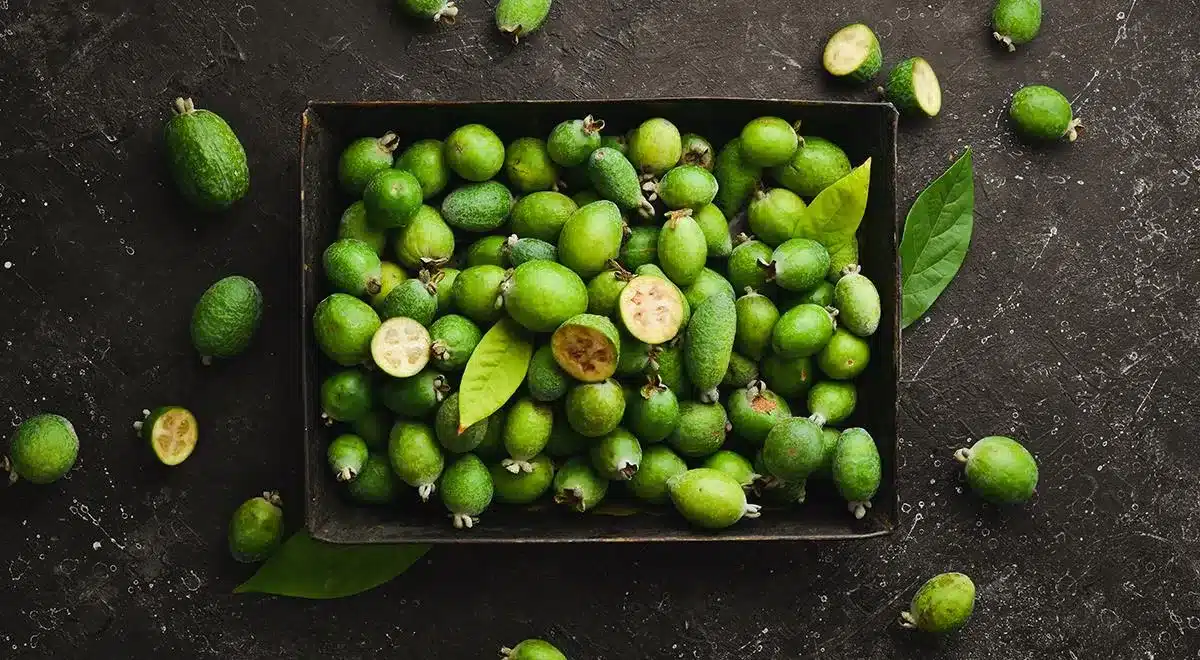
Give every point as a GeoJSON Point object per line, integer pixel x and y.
{"type": "Point", "coordinates": [304, 567]}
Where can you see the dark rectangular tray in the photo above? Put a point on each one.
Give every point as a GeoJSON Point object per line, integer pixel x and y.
{"type": "Point", "coordinates": [862, 129]}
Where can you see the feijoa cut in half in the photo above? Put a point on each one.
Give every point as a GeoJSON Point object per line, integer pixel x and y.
{"type": "Point", "coordinates": [651, 309]}
{"type": "Point", "coordinates": [171, 431]}
{"type": "Point", "coordinates": [588, 347]}
{"type": "Point", "coordinates": [400, 347]}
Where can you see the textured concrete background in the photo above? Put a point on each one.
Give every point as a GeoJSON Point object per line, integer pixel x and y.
{"type": "Point", "coordinates": [1073, 326]}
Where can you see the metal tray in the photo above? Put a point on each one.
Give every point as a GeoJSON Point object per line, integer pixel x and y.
{"type": "Point", "coordinates": [862, 129]}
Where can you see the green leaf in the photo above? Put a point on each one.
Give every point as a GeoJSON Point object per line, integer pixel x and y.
{"type": "Point", "coordinates": [304, 567]}
{"type": "Point", "coordinates": [494, 372]}
{"type": "Point", "coordinates": [937, 234]}
{"type": "Point", "coordinates": [833, 217]}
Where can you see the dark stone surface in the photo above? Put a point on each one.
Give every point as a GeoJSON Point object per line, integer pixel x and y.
{"type": "Point", "coordinates": [1072, 326]}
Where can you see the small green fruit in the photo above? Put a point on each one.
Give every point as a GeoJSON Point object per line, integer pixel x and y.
{"type": "Point", "coordinates": [542, 295]}
{"type": "Point", "coordinates": [701, 430]}
{"type": "Point", "coordinates": [416, 397]}
{"type": "Point", "coordinates": [686, 187]}
{"type": "Point", "coordinates": [477, 207]}
{"type": "Point", "coordinates": [768, 141]}
{"type": "Point", "coordinates": [745, 269]}
{"type": "Point", "coordinates": [853, 53]}
{"type": "Point", "coordinates": [652, 413]}
{"type": "Point", "coordinates": [346, 395]}
{"type": "Point", "coordinates": [793, 449]}
{"type": "Point", "coordinates": [594, 409]}
{"type": "Point", "coordinates": [591, 238]}
{"type": "Point", "coordinates": [659, 465]}
{"type": "Point", "coordinates": [256, 529]}
{"type": "Point", "coordinates": [857, 302]}
{"type": "Point", "coordinates": [802, 331]}
{"type": "Point", "coordinates": [527, 163]}
{"type": "Point", "coordinates": [788, 377]}
{"type": "Point", "coordinates": [426, 239]}
{"type": "Point", "coordinates": [352, 267]}
{"type": "Point", "coordinates": [710, 499]}
{"type": "Point", "coordinates": [564, 440]}
{"type": "Point", "coordinates": [734, 465]}
{"type": "Point", "coordinates": [697, 151]}
{"type": "Point", "coordinates": [376, 484]}
{"type": "Point", "coordinates": [425, 159]}
{"type": "Point", "coordinates": [390, 276]}
{"type": "Point", "coordinates": [228, 314]}
{"type": "Point", "coordinates": [832, 401]}
{"type": "Point", "coordinates": [914, 89]}
{"type": "Point", "coordinates": [651, 309]}
{"type": "Point", "coordinates": [942, 605]}
{"type": "Point", "coordinates": [640, 248]}
{"type": "Point", "coordinates": [571, 142]}
{"type": "Point", "coordinates": [477, 293]}
{"type": "Point", "coordinates": [1016, 22]}
{"type": "Point", "coordinates": [541, 215]}
{"type": "Point", "coordinates": [448, 433]}
{"type": "Point", "coordinates": [708, 283]}
{"type": "Point", "coordinates": [523, 487]}
{"type": "Point", "coordinates": [655, 146]}
{"type": "Point", "coordinates": [1043, 113]}
{"type": "Point", "coordinates": [373, 428]}
{"type": "Point", "coordinates": [520, 250]}
{"type": "Point", "coordinates": [391, 198]}
{"type": "Point", "coordinates": [773, 215]}
{"type": "Point", "coordinates": [845, 356]}
{"type": "Point", "coordinates": [343, 326]}
{"type": "Point", "coordinates": [816, 165]}
{"type": "Point", "coordinates": [682, 248]}
{"type": "Point", "coordinates": [415, 456]}
{"type": "Point", "coordinates": [526, 432]}
{"type": "Point", "coordinates": [741, 372]}
{"type": "Point", "coordinates": [756, 319]}
{"type": "Point", "coordinates": [467, 490]}
{"type": "Point", "coordinates": [43, 449]}
{"type": "Point", "coordinates": [616, 455]}
{"type": "Point", "coordinates": [454, 338]}
{"type": "Point", "coordinates": [754, 411]}
{"type": "Point", "coordinates": [856, 470]}
{"type": "Point", "coordinates": [439, 11]}
{"type": "Point", "coordinates": [346, 456]}
{"type": "Point", "coordinates": [474, 152]}
{"type": "Point", "coordinates": [353, 224]}
{"type": "Point", "coordinates": [587, 347]}
{"type": "Point", "coordinates": [999, 470]}
{"type": "Point", "coordinates": [613, 176]}
{"type": "Point", "coordinates": [737, 179]}
{"type": "Point", "coordinates": [362, 159]}
{"type": "Point", "coordinates": [545, 379]}
{"type": "Point", "coordinates": [488, 251]}
{"type": "Point", "coordinates": [604, 291]}
{"type": "Point", "coordinates": [411, 299]}
{"type": "Point", "coordinates": [709, 344]}
{"type": "Point", "coordinates": [578, 487]}
{"type": "Point", "coordinates": [798, 264]}
{"type": "Point", "coordinates": [716, 230]}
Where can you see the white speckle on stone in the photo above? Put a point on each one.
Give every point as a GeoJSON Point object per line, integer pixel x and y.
{"type": "Point", "coordinates": [95, 545]}
{"type": "Point", "coordinates": [8, 264]}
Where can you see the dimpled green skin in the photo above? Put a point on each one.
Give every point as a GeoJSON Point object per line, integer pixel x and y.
{"type": "Point", "coordinates": [732, 464]}
{"type": "Point", "coordinates": [753, 412]}
{"type": "Point", "coordinates": [415, 456]}
{"type": "Point", "coordinates": [527, 164]}
{"type": "Point", "coordinates": [373, 428]}
{"type": "Point", "coordinates": [687, 187]}
{"type": "Point", "coordinates": [572, 141]}
{"type": "Point", "coordinates": [565, 441]}
{"type": "Point", "coordinates": [584, 197]}
{"type": "Point", "coordinates": [616, 455]}
{"type": "Point", "coordinates": [426, 236]}
{"type": "Point", "coordinates": [942, 605]}
{"type": "Point", "coordinates": [541, 295]}
{"type": "Point", "coordinates": [716, 230]}
{"type": "Point", "coordinates": [346, 395]}
{"type": "Point", "coordinates": [227, 316]}
{"type": "Point", "coordinates": [1042, 113]}
{"type": "Point", "coordinates": [521, 250]}
{"type": "Point", "coordinates": [346, 455]}
{"type": "Point", "coordinates": [491, 449]}
{"type": "Point", "coordinates": [594, 409]}
{"type": "Point", "coordinates": [442, 11]}
{"type": "Point", "coordinates": [668, 364]}
{"type": "Point", "coordinates": [343, 326]}
{"type": "Point", "coordinates": [793, 449]}
{"type": "Point", "coordinates": [634, 355]}
{"type": "Point", "coordinates": [205, 157]}
{"type": "Point", "coordinates": [453, 339]}
{"type": "Point", "coordinates": [474, 152]}
{"type": "Point", "coordinates": [901, 89]}
{"type": "Point", "coordinates": [768, 141]}
{"type": "Point", "coordinates": [799, 264]}
{"type": "Point", "coordinates": [410, 299]}
{"type": "Point", "coordinates": [701, 429]}
{"type": "Point", "coordinates": [392, 197]}
{"type": "Point", "coordinates": [655, 146]}
{"type": "Point", "coordinates": [1016, 22]}
{"type": "Point", "coordinates": [353, 224]}
{"type": "Point", "coordinates": [376, 484]}
{"type": "Point", "coordinates": [815, 166]}
{"type": "Point", "coordinates": [833, 400]}
{"type": "Point", "coordinates": [541, 215]}
{"type": "Point", "coordinates": [856, 469]}
{"type": "Point", "coordinates": [446, 426]}
{"type": "Point", "coordinates": [477, 207]}
{"type": "Point", "coordinates": [829, 440]}
{"type": "Point", "coordinates": [652, 413]}
{"type": "Point", "coordinates": [256, 529]}
{"type": "Point", "coordinates": [477, 293]}
{"type": "Point", "coordinates": [756, 318]}
{"type": "Point", "coordinates": [742, 371]}
{"type": "Point", "coordinates": [845, 356]}
{"type": "Point", "coordinates": [43, 448]}
{"type": "Point", "coordinates": [545, 380]}
{"type": "Point", "coordinates": [466, 489]}
{"type": "Point", "coordinates": [802, 331]}
{"type": "Point", "coordinates": [519, 18]}
{"type": "Point", "coordinates": [709, 498]}
{"type": "Point", "coordinates": [659, 464]}
{"type": "Point", "coordinates": [445, 278]}
{"type": "Point", "coordinates": [390, 276]}
{"type": "Point", "coordinates": [487, 251]}
{"type": "Point", "coordinates": [821, 295]}
{"type": "Point", "coordinates": [604, 291]}
{"type": "Point", "coordinates": [590, 238]}
{"type": "Point", "coordinates": [613, 176]}
{"type": "Point", "coordinates": [744, 268]}
{"type": "Point", "coordinates": [416, 397]}
{"type": "Point", "coordinates": [527, 428]}
{"type": "Point", "coordinates": [351, 266]}
{"type": "Point", "coordinates": [708, 283]}
{"type": "Point", "coordinates": [426, 161]}
{"type": "Point", "coordinates": [709, 343]}
{"type": "Point", "coordinates": [523, 487]}
{"type": "Point", "coordinates": [362, 159]}
{"type": "Point", "coordinates": [736, 178]}
{"type": "Point", "coordinates": [697, 151]}
{"type": "Point", "coordinates": [578, 487]}
{"type": "Point", "coordinates": [787, 377]}
{"type": "Point", "coordinates": [1000, 470]}
{"type": "Point", "coordinates": [773, 215]}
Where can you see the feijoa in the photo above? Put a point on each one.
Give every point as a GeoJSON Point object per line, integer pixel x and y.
{"type": "Point", "coordinates": [43, 449]}
{"type": "Point", "coordinates": [256, 529]}
{"type": "Point", "coordinates": [682, 248]}
{"type": "Point", "coordinates": [353, 224]}
{"type": "Point", "coordinates": [415, 397]}
{"type": "Point", "coordinates": [640, 248]}
{"type": "Point", "coordinates": [474, 152]}
{"type": "Point", "coordinates": [655, 146]}
{"type": "Point", "coordinates": [467, 490]}
{"type": "Point", "coordinates": [452, 340]}
{"type": "Point", "coordinates": [741, 372]}
{"type": "Point", "coordinates": [1043, 113]}
{"type": "Point", "coordinates": [857, 470]}
{"type": "Point", "coordinates": [652, 413]}
{"type": "Point", "coordinates": [391, 198]}
{"type": "Point", "coordinates": [658, 465]}
{"type": "Point", "coordinates": [686, 187]}
{"type": "Point", "coordinates": [400, 348]}
{"type": "Point", "coordinates": [701, 429]}
{"type": "Point", "coordinates": [171, 432]}
{"type": "Point", "coordinates": [613, 176]}
{"type": "Point", "coordinates": [768, 141]}
{"type": "Point", "coordinates": [373, 428]}
{"type": "Point", "coordinates": [604, 291]}
{"type": "Point", "coordinates": [591, 238]}
{"type": "Point", "coordinates": [412, 299]}
{"type": "Point", "coordinates": [227, 316]}
{"type": "Point", "coordinates": [527, 163]}
{"type": "Point", "coordinates": [346, 455]}
{"type": "Point", "coordinates": [377, 484]}
{"type": "Point", "coordinates": [526, 432]}
{"type": "Point", "coordinates": [756, 318]}
{"type": "Point", "coordinates": [616, 455]}
{"type": "Point", "coordinates": [709, 343]}
{"type": "Point", "coordinates": [520, 250]}
{"type": "Point", "coordinates": [913, 88]}
{"type": "Point", "coordinates": [798, 264]}
{"type": "Point", "coordinates": [439, 11]}
{"type": "Point", "coordinates": [845, 356]}
{"type": "Point", "coordinates": [362, 159]}
{"type": "Point", "coordinates": [390, 277]}
{"type": "Point", "coordinates": [477, 207]}
{"type": "Point", "coordinates": [999, 470]}
{"type": "Point", "coordinates": [667, 363]}
{"type": "Point", "coordinates": [802, 331]}
{"type": "Point", "coordinates": [816, 165]}
{"type": "Point", "coordinates": [745, 269]}
{"type": "Point", "coordinates": [793, 449]}
{"type": "Point", "coordinates": [353, 267]}
{"type": "Point", "coordinates": [546, 380]}
{"type": "Point", "coordinates": [737, 179]}
{"type": "Point", "coordinates": [205, 157]}
{"type": "Point", "coordinates": [594, 409]}
{"type": "Point", "coordinates": [448, 433]}
{"type": "Point", "coordinates": [523, 486]}
{"type": "Point", "coordinates": [426, 160]}
{"type": "Point", "coordinates": [343, 326]}
{"type": "Point", "coordinates": [716, 230]}
{"type": "Point", "coordinates": [541, 215]}
{"type": "Point", "coordinates": [651, 309]}
{"type": "Point", "coordinates": [853, 53]}
{"type": "Point", "coordinates": [415, 456]}
{"type": "Point", "coordinates": [754, 411]}
{"type": "Point", "coordinates": [425, 239]}
{"type": "Point", "coordinates": [488, 251]}
{"type": "Point", "coordinates": [942, 605]}
{"type": "Point", "coordinates": [734, 465]}
{"type": "Point", "coordinates": [832, 401]}
{"type": "Point", "coordinates": [697, 151]}
{"type": "Point", "coordinates": [708, 283]}
{"type": "Point", "coordinates": [1016, 22]}
{"type": "Point", "coordinates": [578, 487]}
{"type": "Point", "coordinates": [571, 142]}
{"type": "Point", "coordinates": [709, 498]}
{"type": "Point", "coordinates": [773, 215]}
{"type": "Point", "coordinates": [541, 295]}
{"type": "Point", "coordinates": [587, 347]}
{"type": "Point", "coordinates": [346, 395]}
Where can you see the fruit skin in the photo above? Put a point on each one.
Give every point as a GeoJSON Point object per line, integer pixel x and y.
{"type": "Point", "coordinates": [390, 276]}
{"type": "Point", "coordinates": [346, 456]}
{"type": "Point", "coordinates": [541, 215]}
{"type": "Point", "coordinates": [353, 224]}
{"type": "Point", "coordinates": [523, 487]}
{"type": "Point", "coordinates": [474, 152]}
{"type": "Point", "coordinates": [820, 295]}
{"type": "Point", "coordinates": [659, 464]}
{"type": "Point", "coordinates": [454, 338]}
{"type": "Point", "coordinates": [207, 162]}
{"type": "Point", "coordinates": [709, 498]}
{"type": "Point", "coordinates": [999, 470]}
{"type": "Point", "coordinates": [425, 238]}
{"type": "Point", "coordinates": [376, 484]}
{"type": "Point", "coordinates": [798, 264]}
{"type": "Point", "coordinates": [476, 293]}
{"type": "Point", "coordinates": [845, 257]}
{"type": "Point", "coordinates": [709, 343]}
{"type": "Point", "coordinates": [491, 449]}
{"type": "Point", "coordinates": [527, 164]}
{"type": "Point", "coordinates": [444, 279]}
{"type": "Point", "coordinates": [594, 409]}
{"type": "Point", "coordinates": [43, 449]}
{"type": "Point", "coordinates": [352, 267]}
{"type": "Point", "coordinates": [667, 363]}
{"type": "Point", "coordinates": [440, 11]}
{"type": "Point", "coordinates": [816, 165]}
{"type": "Point", "coordinates": [256, 529]}
{"type": "Point", "coordinates": [346, 395]}
{"type": "Point", "coordinates": [832, 401]}
{"type": "Point", "coordinates": [942, 605]}
{"type": "Point", "coordinates": [571, 142]}
{"type": "Point", "coordinates": [546, 380]}
{"type": "Point", "coordinates": [845, 356]}
{"type": "Point", "coordinates": [856, 470]}
{"type": "Point", "coordinates": [640, 248]}
{"type": "Point", "coordinates": [754, 411]}
{"type": "Point", "coordinates": [829, 441]}
{"type": "Point", "coordinates": [701, 430]}
{"type": "Point", "coordinates": [756, 318]}
{"type": "Point", "coordinates": [802, 331]}
{"type": "Point", "coordinates": [741, 372]}
{"type": "Point", "coordinates": [768, 141]}
{"type": "Point", "coordinates": [787, 377]}
{"type": "Point", "coordinates": [564, 440]}
{"type": "Point", "coordinates": [736, 178]}
{"type": "Point", "coordinates": [696, 151]}
{"type": "Point", "coordinates": [687, 187]}
{"type": "Point", "coordinates": [587, 347]}
{"type": "Point", "coordinates": [391, 198]}
{"type": "Point", "coordinates": [605, 290]}
{"type": "Point", "coordinates": [652, 413]}
{"type": "Point", "coordinates": [635, 356]}
{"type": "Point", "coordinates": [410, 299]}
{"type": "Point", "coordinates": [1016, 22]}
{"type": "Point", "coordinates": [541, 295]}
{"type": "Point", "coordinates": [793, 449]}
{"type": "Point", "coordinates": [487, 251]}
{"type": "Point", "coordinates": [415, 397]}
{"type": "Point", "coordinates": [708, 283]}
{"type": "Point", "coordinates": [682, 249]}
{"type": "Point", "coordinates": [655, 146]}
{"type": "Point", "coordinates": [773, 215]}
{"type": "Point", "coordinates": [467, 490]}
{"type": "Point", "coordinates": [518, 18]}
{"type": "Point", "coordinates": [373, 428]}
{"type": "Point", "coordinates": [578, 486]}
{"type": "Point", "coordinates": [226, 317]}
{"type": "Point", "coordinates": [716, 230]}
{"type": "Point", "coordinates": [477, 207]}
{"type": "Point", "coordinates": [362, 159]}
{"type": "Point", "coordinates": [526, 432]}
{"type": "Point", "coordinates": [445, 424]}
{"type": "Point", "coordinates": [734, 465]}
{"type": "Point", "coordinates": [857, 302]}
{"type": "Point", "coordinates": [901, 89]}
{"type": "Point", "coordinates": [520, 250]}
{"type": "Point", "coordinates": [1043, 113]}
{"type": "Point", "coordinates": [591, 238]}
{"type": "Point", "coordinates": [343, 326]}
{"type": "Point", "coordinates": [868, 67]}
{"type": "Point", "coordinates": [744, 268]}
{"type": "Point", "coordinates": [613, 176]}
{"type": "Point", "coordinates": [425, 160]}
{"type": "Point", "coordinates": [617, 455]}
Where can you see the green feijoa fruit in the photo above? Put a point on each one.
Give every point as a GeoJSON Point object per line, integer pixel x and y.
{"type": "Point", "coordinates": [390, 276]}
{"type": "Point", "coordinates": [354, 225]}
{"type": "Point", "coordinates": [617, 455]}
{"type": "Point", "coordinates": [652, 270]}
{"type": "Point", "coordinates": [798, 264]}
{"type": "Point", "coordinates": [594, 409]}
{"type": "Point", "coordinates": [205, 157]}
{"type": "Point", "coordinates": [453, 339]}
{"type": "Point", "coordinates": [635, 356]}
{"type": "Point", "coordinates": [523, 487]}
{"type": "Point", "coordinates": [377, 484]}
{"type": "Point", "coordinates": [697, 151]}
{"type": "Point", "coordinates": [591, 238]}
{"type": "Point", "coordinates": [571, 142]}
{"type": "Point", "coordinates": [708, 283]}
{"type": "Point", "coordinates": [655, 146]}
{"type": "Point", "coordinates": [477, 207]}
{"type": "Point", "coordinates": [346, 456]}
{"type": "Point", "coordinates": [682, 248]}
{"type": "Point", "coordinates": [613, 176]}
{"type": "Point", "coordinates": [400, 348]}
{"type": "Point", "coordinates": [793, 449]}
{"type": "Point", "coordinates": [1043, 113]}
{"type": "Point", "coordinates": [474, 152]}
{"type": "Point", "coordinates": [425, 239]}
{"type": "Point", "coordinates": [829, 441]}
{"type": "Point", "coordinates": [754, 411]}
{"type": "Point", "coordinates": [913, 88]}
{"type": "Point", "coordinates": [541, 295]}
{"type": "Point", "coordinates": [1016, 22]}
{"type": "Point", "coordinates": [786, 493]}
{"type": "Point", "coordinates": [667, 363]}
{"type": "Point", "coordinates": [353, 267]}
{"type": "Point", "coordinates": [659, 464]}
{"type": "Point", "coordinates": [942, 605]}
{"type": "Point", "coordinates": [584, 197]}
{"type": "Point", "coordinates": [444, 278]}
{"type": "Point", "coordinates": [745, 269]}
{"type": "Point", "coordinates": [716, 230]}
{"type": "Point", "coordinates": [373, 427]}
{"type": "Point", "coordinates": [346, 395]}
{"type": "Point", "coordinates": [737, 179]}
{"type": "Point", "coordinates": [604, 291]}
{"type": "Point", "coordinates": [617, 142]}
{"type": "Point", "coordinates": [853, 53]}
{"type": "Point", "coordinates": [545, 379]}
{"type": "Point", "coordinates": [42, 450]}
{"type": "Point", "coordinates": [640, 248]}
{"type": "Point", "coordinates": [363, 159]}
{"type": "Point", "coordinates": [845, 356]}
{"type": "Point", "coordinates": [171, 432]}
{"type": "Point", "coordinates": [564, 440]}
{"type": "Point", "coordinates": [773, 214]}
{"type": "Point", "coordinates": [816, 165]}
{"type": "Point", "coordinates": [821, 295]}
{"type": "Point", "coordinates": [652, 413]}
{"type": "Point", "coordinates": [448, 434]}
{"type": "Point", "coordinates": [709, 344]}
{"type": "Point", "coordinates": [520, 250]}
{"type": "Point", "coordinates": [756, 318]}
{"type": "Point", "coordinates": [491, 449]}
{"type": "Point", "coordinates": [415, 397]}
{"type": "Point", "coordinates": [741, 372]}
{"type": "Point", "coordinates": [686, 187]}
{"type": "Point", "coordinates": [426, 160]}
{"type": "Point", "coordinates": [519, 18]}
{"type": "Point", "coordinates": [701, 429]}
{"type": "Point", "coordinates": [392, 197]}
{"type": "Point", "coordinates": [343, 326]}
{"type": "Point", "coordinates": [228, 314]}
{"type": "Point", "coordinates": [477, 293]}
{"type": "Point", "coordinates": [256, 529]}
{"type": "Point", "coordinates": [768, 141]}
{"type": "Point", "coordinates": [651, 309]}
{"type": "Point", "coordinates": [415, 456]}
{"type": "Point", "coordinates": [587, 347]}
{"type": "Point", "coordinates": [856, 470]}
{"type": "Point", "coordinates": [541, 215]}
{"type": "Point", "coordinates": [439, 11]}
{"type": "Point", "coordinates": [578, 487]}
{"type": "Point", "coordinates": [787, 377]}
{"type": "Point", "coordinates": [467, 490]}
{"type": "Point", "coordinates": [709, 498]}
{"type": "Point", "coordinates": [832, 401]}
{"type": "Point", "coordinates": [999, 470]}
{"type": "Point", "coordinates": [488, 251]}
{"type": "Point", "coordinates": [734, 465]}
{"type": "Point", "coordinates": [410, 299]}
{"type": "Point", "coordinates": [527, 164]}
{"type": "Point", "coordinates": [526, 432]}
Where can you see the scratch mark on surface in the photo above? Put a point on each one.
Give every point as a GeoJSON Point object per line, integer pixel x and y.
{"type": "Point", "coordinates": [936, 345]}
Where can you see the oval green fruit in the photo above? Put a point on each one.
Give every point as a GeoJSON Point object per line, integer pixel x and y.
{"type": "Point", "coordinates": [415, 397]}
{"type": "Point", "coordinates": [616, 455]}
{"type": "Point", "coordinates": [578, 487]}
{"type": "Point", "coordinates": [362, 159]}
{"type": "Point", "coordinates": [754, 411]}
{"type": "Point", "coordinates": [476, 293]}
{"type": "Point", "coordinates": [565, 441]}
{"type": "Point", "coordinates": [709, 344]}
{"type": "Point", "coordinates": [523, 487]}
{"type": "Point", "coordinates": [546, 380]}
{"type": "Point", "coordinates": [793, 449]}
{"type": "Point", "coordinates": [594, 409]}
{"type": "Point", "coordinates": [816, 165]}
{"type": "Point", "coordinates": [390, 277]}
{"type": "Point", "coordinates": [526, 432]}
{"type": "Point", "coordinates": [447, 428]}
{"type": "Point", "coordinates": [635, 356]}
{"type": "Point", "coordinates": [768, 141]}
{"type": "Point", "coordinates": [256, 529]}
{"type": "Point", "coordinates": [571, 142]}
{"type": "Point", "coordinates": [682, 248]}
{"type": "Point", "coordinates": [697, 151]}
{"type": "Point", "coordinates": [667, 363]}
{"type": "Point", "coordinates": [467, 490]}
{"type": "Point", "coordinates": [488, 251]}
{"type": "Point", "coordinates": [443, 278]}
{"type": "Point", "coordinates": [741, 372]}
{"type": "Point", "coordinates": [424, 240]}
{"type": "Point", "coordinates": [227, 316]}
{"type": "Point", "coordinates": [802, 331]}
{"type": "Point", "coordinates": [373, 427]}
{"type": "Point", "coordinates": [658, 466]}
{"type": "Point", "coordinates": [477, 207]}
{"type": "Point", "coordinates": [708, 283]}
{"type": "Point", "coordinates": [415, 456]}
{"type": "Point", "coordinates": [410, 299]}
{"type": "Point", "coordinates": [1016, 22]}
{"type": "Point", "coordinates": [737, 179]}
{"type": "Point", "coordinates": [845, 356]}
{"type": "Point", "coordinates": [756, 319]}
{"type": "Point", "coordinates": [652, 414]}
{"type": "Point", "coordinates": [541, 295]}
{"type": "Point", "coordinates": [376, 484]}
{"type": "Point", "coordinates": [655, 146]}
{"type": "Point", "coordinates": [701, 429]}
{"type": "Point", "coordinates": [541, 215]}
{"type": "Point", "coordinates": [520, 250]}
{"type": "Point", "coordinates": [353, 267]}
{"type": "Point", "coordinates": [604, 291]}
{"type": "Point", "coordinates": [587, 347]}
{"type": "Point", "coordinates": [745, 269]}
{"type": "Point", "coordinates": [207, 162]}
{"type": "Point", "coordinates": [474, 152]}
{"type": "Point", "coordinates": [353, 224]}
{"type": "Point", "coordinates": [787, 377]}
{"type": "Point", "coordinates": [391, 198]}
{"type": "Point", "coordinates": [999, 470]}
{"type": "Point", "coordinates": [716, 230]}
{"type": "Point", "coordinates": [942, 605]}
{"type": "Point", "coordinates": [426, 160]}
{"type": "Point", "coordinates": [346, 395]}
{"type": "Point", "coordinates": [519, 18]}
{"type": "Point", "coordinates": [43, 449]}
{"type": "Point", "coordinates": [591, 238]}
{"type": "Point", "coordinates": [640, 248]}
{"type": "Point", "coordinates": [798, 264]}
{"type": "Point", "coordinates": [343, 326]}
{"type": "Point", "coordinates": [832, 401]}
{"type": "Point", "coordinates": [820, 295]}
{"type": "Point", "coordinates": [439, 11]}
{"type": "Point", "coordinates": [773, 215]}
{"type": "Point", "coordinates": [734, 465]}
{"type": "Point", "coordinates": [613, 176]}
{"type": "Point", "coordinates": [453, 339]}
{"type": "Point", "coordinates": [346, 455]}
{"type": "Point", "coordinates": [857, 470]}
{"type": "Point", "coordinates": [1043, 113]}
{"type": "Point", "coordinates": [710, 499]}
{"type": "Point", "coordinates": [527, 163]}
{"type": "Point", "coordinates": [687, 187]}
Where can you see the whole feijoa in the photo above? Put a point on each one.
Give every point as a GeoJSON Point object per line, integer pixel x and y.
{"type": "Point", "coordinates": [415, 456]}
{"type": "Point", "coordinates": [477, 207]}
{"type": "Point", "coordinates": [741, 372]}
{"type": "Point", "coordinates": [708, 283]}
{"type": "Point", "coordinates": [616, 455]}
{"type": "Point", "coordinates": [477, 295]}
{"type": "Point", "coordinates": [447, 429]}
{"type": "Point", "coordinates": [453, 338]}
{"type": "Point", "coordinates": [467, 490]}
{"type": "Point", "coordinates": [845, 356]}
{"type": "Point", "coordinates": [391, 198]}
{"type": "Point", "coordinates": [682, 248]}
{"type": "Point", "coordinates": [523, 487]}
{"type": "Point", "coordinates": [658, 466]}
{"type": "Point", "coordinates": [346, 395]}
{"type": "Point", "coordinates": [701, 429]}
{"type": "Point", "coordinates": [439, 11]}
{"type": "Point", "coordinates": [856, 469]}
{"type": "Point", "coordinates": [426, 160]}
{"type": "Point", "coordinates": [1016, 22]}
{"type": "Point", "coordinates": [362, 159]}
{"type": "Point", "coordinates": [1043, 113]}
{"type": "Point", "coordinates": [697, 151]}
{"type": "Point", "coordinates": [415, 397]}
{"type": "Point", "coordinates": [352, 266]}
{"type": "Point", "coordinates": [227, 316]}
{"type": "Point", "coordinates": [652, 413]}
{"type": "Point", "coordinates": [768, 141]}
{"type": "Point", "coordinates": [346, 455]}
{"type": "Point", "coordinates": [353, 224]}
{"type": "Point", "coordinates": [615, 179]}
{"type": "Point", "coordinates": [788, 377]}
{"type": "Point", "coordinates": [519, 250]}
{"type": "Point", "coordinates": [545, 380]}
{"type": "Point", "coordinates": [756, 319]}
{"type": "Point", "coordinates": [343, 326]}
{"type": "Point", "coordinates": [857, 302]}
{"type": "Point", "coordinates": [734, 465]}
{"type": "Point", "coordinates": [999, 469]}
{"type": "Point", "coordinates": [411, 299]}
{"type": "Point", "coordinates": [541, 295]}
{"type": "Point", "coordinates": [527, 163]}
{"type": "Point", "coordinates": [474, 152]}
{"type": "Point", "coordinates": [816, 165]}
{"type": "Point", "coordinates": [655, 146]}
{"type": "Point", "coordinates": [424, 240]}
{"type": "Point", "coordinates": [488, 251]}
{"type": "Point", "coordinates": [710, 499]}
{"type": "Point", "coordinates": [802, 331]}
{"type": "Point", "coordinates": [708, 344]}
{"type": "Point", "coordinates": [687, 187]}
{"type": "Point", "coordinates": [520, 18]}
{"type": "Point", "coordinates": [798, 264]}
{"type": "Point", "coordinates": [591, 238]}
{"type": "Point", "coordinates": [206, 159]}
{"type": "Point", "coordinates": [376, 484]}
{"type": "Point", "coordinates": [754, 411]}
{"type": "Point", "coordinates": [793, 449]}
{"type": "Point", "coordinates": [541, 215]}
{"type": "Point", "coordinates": [745, 266]}
{"type": "Point", "coordinates": [773, 214]}
{"type": "Point", "coordinates": [43, 449]}
{"type": "Point", "coordinates": [942, 605]}
{"type": "Point", "coordinates": [594, 409]}
{"type": "Point", "coordinates": [737, 179]}
{"type": "Point", "coordinates": [577, 485]}
{"type": "Point", "coordinates": [572, 141]}
{"type": "Point", "coordinates": [526, 431]}
{"type": "Point", "coordinates": [832, 401]}
{"type": "Point", "coordinates": [256, 529]}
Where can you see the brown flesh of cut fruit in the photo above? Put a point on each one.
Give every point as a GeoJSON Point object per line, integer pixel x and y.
{"type": "Point", "coordinates": [584, 353]}
{"type": "Point", "coordinates": [174, 436]}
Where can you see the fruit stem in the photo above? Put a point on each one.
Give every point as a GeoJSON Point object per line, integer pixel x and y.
{"type": "Point", "coordinates": [645, 208]}
{"type": "Point", "coordinates": [752, 511]}
{"type": "Point", "coordinates": [515, 31]}
{"type": "Point", "coordinates": [1006, 40]}
{"type": "Point", "coordinates": [389, 141]}
{"type": "Point", "coordinates": [505, 652]}
{"type": "Point", "coordinates": [628, 470]}
{"type": "Point", "coordinates": [184, 106]}
{"type": "Point", "coordinates": [742, 237]}
{"type": "Point", "coordinates": [425, 490]}
{"type": "Point", "coordinates": [273, 497]}
{"type": "Point", "coordinates": [859, 509]}
{"type": "Point", "coordinates": [462, 520]}
{"type": "Point", "coordinates": [592, 125]}
{"type": "Point", "coordinates": [654, 384]}
{"type": "Point", "coordinates": [651, 186]}
{"type": "Point", "coordinates": [6, 465]}
{"type": "Point", "coordinates": [346, 474]}
{"type": "Point", "coordinates": [907, 621]}
{"type": "Point", "coordinates": [881, 91]}
{"type": "Point", "coordinates": [513, 465]}
{"type": "Point", "coordinates": [206, 360]}
{"type": "Point", "coordinates": [447, 14]}
{"type": "Point", "coordinates": [818, 419]}
{"type": "Point", "coordinates": [711, 396]}
{"type": "Point", "coordinates": [374, 286]}
{"type": "Point", "coordinates": [572, 497]}
{"type": "Point", "coordinates": [851, 269]}
{"type": "Point", "coordinates": [962, 455]}
{"type": "Point", "coordinates": [1072, 132]}
{"type": "Point", "coordinates": [796, 127]}
{"type": "Point", "coordinates": [768, 266]}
